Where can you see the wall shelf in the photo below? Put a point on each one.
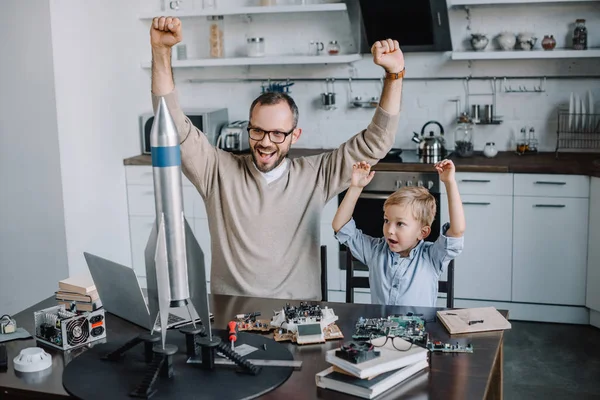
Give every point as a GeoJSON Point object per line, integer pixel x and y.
{"type": "Point", "coordinates": [249, 10]}
{"type": "Point", "coordinates": [458, 3]}
{"type": "Point", "coordinates": [272, 60]}
{"type": "Point", "coordinates": [524, 54]}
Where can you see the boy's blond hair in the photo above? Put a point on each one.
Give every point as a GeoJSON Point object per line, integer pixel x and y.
{"type": "Point", "coordinates": [418, 199]}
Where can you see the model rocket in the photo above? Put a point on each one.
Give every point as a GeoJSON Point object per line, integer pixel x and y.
{"type": "Point", "coordinates": [173, 257]}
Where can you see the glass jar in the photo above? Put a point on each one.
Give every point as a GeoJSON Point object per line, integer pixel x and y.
{"type": "Point", "coordinates": [580, 35]}
{"type": "Point", "coordinates": [463, 138]}
{"type": "Point", "coordinates": [333, 48]}
{"type": "Point", "coordinates": [255, 47]}
{"type": "Point", "coordinates": [215, 36]}
{"type": "Point", "coordinates": [490, 150]}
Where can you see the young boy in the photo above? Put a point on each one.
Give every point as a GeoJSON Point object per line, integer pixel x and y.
{"type": "Point", "coordinates": [403, 268]}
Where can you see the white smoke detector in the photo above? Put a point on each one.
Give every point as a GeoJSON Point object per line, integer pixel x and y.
{"type": "Point", "coordinates": [32, 359]}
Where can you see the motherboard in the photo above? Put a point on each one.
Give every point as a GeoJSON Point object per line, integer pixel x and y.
{"type": "Point", "coordinates": [409, 327]}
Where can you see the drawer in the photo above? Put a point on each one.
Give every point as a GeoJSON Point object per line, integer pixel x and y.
{"type": "Point", "coordinates": [500, 184]}
{"type": "Point", "coordinates": [552, 185]}
{"type": "Point", "coordinates": [142, 175]}
{"type": "Point", "coordinates": [140, 200]}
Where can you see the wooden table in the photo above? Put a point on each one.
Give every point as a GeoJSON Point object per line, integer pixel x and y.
{"type": "Point", "coordinates": [451, 376]}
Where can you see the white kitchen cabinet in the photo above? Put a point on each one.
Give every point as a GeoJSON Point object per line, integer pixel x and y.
{"type": "Point", "coordinates": [484, 268]}
{"type": "Point", "coordinates": [593, 265]}
{"type": "Point", "coordinates": [550, 250]}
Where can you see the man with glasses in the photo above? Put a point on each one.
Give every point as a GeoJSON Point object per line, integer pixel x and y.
{"type": "Point", "coordinates": [264, 209]}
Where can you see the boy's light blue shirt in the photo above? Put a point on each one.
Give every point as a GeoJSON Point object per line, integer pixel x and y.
{"type": "Point", "coordinates": [397, 280]}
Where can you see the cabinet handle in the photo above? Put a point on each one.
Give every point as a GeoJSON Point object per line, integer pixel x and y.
{"type": "Point", "coordinates": [476, 203]}
{"type": "Point", "coordinates": [373, 196]}
{"type": "Point", "coordinates": [149, 192]}
{"type": "Point", "coordinates": [476, 180]}
{"type": "Point", "coordinates": [549, 205]}
{"type": "Point", "coordinates": [549, 183]}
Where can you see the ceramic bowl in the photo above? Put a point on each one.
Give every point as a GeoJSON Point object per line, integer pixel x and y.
{"type": "Point", "coordinates": [506, 40]}
{"type": "Point", "coordinates": [479, 41]}
{"type": "Point", "coordinates": [526, 41]}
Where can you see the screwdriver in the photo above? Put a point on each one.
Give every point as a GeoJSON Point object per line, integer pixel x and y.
{"type": "Point", "coordinates": [233, 330]}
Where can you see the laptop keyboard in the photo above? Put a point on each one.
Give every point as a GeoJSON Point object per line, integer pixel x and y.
{"type": "Point", "coordinates": [171, 320]}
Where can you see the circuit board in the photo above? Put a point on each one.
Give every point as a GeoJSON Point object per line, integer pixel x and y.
{"type": "Point", "coordinates": [249, 323]}
{"type": "Point", "coordinates": [409, 327]}
{"type": "Point", "coordinates": [330, 332]}
{"type": "Point", "coordinates": [438, 346]}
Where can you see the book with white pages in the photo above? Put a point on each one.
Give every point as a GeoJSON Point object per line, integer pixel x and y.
{"type": "Point", "coordinates": [370, 388]}
{"type": "Point", "coordinates": [471, 320]}
{"type": "Point", "coordinates": [390, 358]}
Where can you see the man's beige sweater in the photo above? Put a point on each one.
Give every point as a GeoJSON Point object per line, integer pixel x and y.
{"type": "Point", "coordinates": [265, 238]}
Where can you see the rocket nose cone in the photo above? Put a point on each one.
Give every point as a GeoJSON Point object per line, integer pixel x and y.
{"type": "Point", "coordinates": [164, 131]}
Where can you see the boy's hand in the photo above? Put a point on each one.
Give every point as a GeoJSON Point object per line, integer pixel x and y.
{"type": "Point", "coordinates": [361, 174]}
{"type": "Point", "coordinates": [445, 169]}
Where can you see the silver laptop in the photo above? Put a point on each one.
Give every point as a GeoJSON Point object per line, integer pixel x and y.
{"type": "Point", "coordinates": [121, 294]}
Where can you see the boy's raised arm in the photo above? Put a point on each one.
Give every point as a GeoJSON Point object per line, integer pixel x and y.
{"type": "Point", "coordinates": [361, 176]}
{"type": "Point", "coordinates": [446, 170]}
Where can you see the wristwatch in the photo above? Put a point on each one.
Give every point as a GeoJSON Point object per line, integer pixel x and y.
{"type": "Point", "coordinates": [395, 75]}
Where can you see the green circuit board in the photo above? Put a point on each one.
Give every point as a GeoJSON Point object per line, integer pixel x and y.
{"type": "Point", "coordinates": [409, 327]}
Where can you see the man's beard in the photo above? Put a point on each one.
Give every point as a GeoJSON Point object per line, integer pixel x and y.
{"type": "Point", "coordinates": [281, 155]}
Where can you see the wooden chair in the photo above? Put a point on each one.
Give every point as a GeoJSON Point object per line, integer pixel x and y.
{"type": "Point", "coordinates": [323, 273]}
{"type": "Point", "coordinates": [353, 282]}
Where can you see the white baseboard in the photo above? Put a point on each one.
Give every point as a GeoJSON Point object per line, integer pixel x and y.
{"type": "Point", "coordinates": [516, 311]}
{"type": "Point", "coordinates": [595, 318]}
{"type": "Point", "coordinates": [533, 312]}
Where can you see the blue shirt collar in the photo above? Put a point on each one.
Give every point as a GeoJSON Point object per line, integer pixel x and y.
{"type": "Point", "coordinates": [412, 253]}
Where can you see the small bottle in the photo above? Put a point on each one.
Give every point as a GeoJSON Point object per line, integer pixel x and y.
{"type": "Point", "coordinates": [333, 48]}
{"type": "Point", "coordinates": [215, 36]}
{"type": "Point", "coordinates": [580, 35]}
{"type": "Point", "coordinates": [532, 143]}
{"type": "Point", "coordinates": [522, 144]}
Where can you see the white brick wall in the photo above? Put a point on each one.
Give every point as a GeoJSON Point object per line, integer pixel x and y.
{"type": "Point", "coordinates": [423, 99]}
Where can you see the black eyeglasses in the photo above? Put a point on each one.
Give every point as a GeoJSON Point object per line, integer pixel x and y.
{"type": "Point", "coordinates": [276, 137]}
{"type": "Point", "coordinates": [392, 337]}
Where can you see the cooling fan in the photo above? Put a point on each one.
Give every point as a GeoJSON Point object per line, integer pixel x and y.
{"type": "Point", "coordinates": [78, 331]}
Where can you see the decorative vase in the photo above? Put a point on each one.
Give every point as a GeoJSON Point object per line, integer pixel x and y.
{"type": "Point", "coordinates": [506, 40]}
{"type": "Point", "coordinates": [548, 43]}
{"type": "Point", "coordinates": [479, 41]}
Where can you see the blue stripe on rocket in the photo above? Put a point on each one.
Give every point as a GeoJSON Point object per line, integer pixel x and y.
{"type": "Point", "coordinates": [166, 156]}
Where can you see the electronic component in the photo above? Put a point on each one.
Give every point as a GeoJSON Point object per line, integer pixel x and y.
{"type": "Point", "coordinates": [7, 324]}
{"type": "Point", "coordinates": [409, 327]}
{"type": "Point", "coordinates": [438, 346]}
{"type": "Point", "coordinates": [357, 352]}
{"type": "Point", "coordinates": [3, 358]}
{"type": "Point", "coordinates": [305, 324]}
{"type": "Point", "coordinates": [66, 330]}
{"type": "Point", "coordinates": [249, 323]}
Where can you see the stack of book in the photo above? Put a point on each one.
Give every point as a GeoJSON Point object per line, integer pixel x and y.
{"type": "Point", "coordinates": [78, 293]}
{"type": "Point", "coordinates": [393, 366]}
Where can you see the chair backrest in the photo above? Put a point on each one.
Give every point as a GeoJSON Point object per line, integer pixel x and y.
{"type": "Point", "coordinates": [353, 282]}
{"type": "Point", "coordinates": [323, 273]}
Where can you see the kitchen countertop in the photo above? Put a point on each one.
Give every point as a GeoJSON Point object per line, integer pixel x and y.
{"type": "Point", "coordinates": [507, 162]}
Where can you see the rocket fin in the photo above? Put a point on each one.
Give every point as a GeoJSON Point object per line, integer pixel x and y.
{"type": "Point", "coordinates": [197, 278]}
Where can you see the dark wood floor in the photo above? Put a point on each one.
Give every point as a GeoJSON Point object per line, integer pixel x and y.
{"type": "Point", "coordinates": [551, 361]}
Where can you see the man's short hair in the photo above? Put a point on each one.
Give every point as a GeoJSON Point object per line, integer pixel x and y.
{"type": "Point", "coordinates": [420, 201]}
{"type": "Point", "coordinates": [272, 98]}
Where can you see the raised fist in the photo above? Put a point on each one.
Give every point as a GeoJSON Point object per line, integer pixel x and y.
{"type": "Point", "coordinates": [165, 33]}
{"type": "Point", "coordinates": [387, 54]}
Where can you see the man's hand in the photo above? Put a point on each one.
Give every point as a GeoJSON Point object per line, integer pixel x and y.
{"type": "Point", "coordinates": [387, 54]}
{"type": "Point", "coordinates": [165, 33]}
{"type": "Point", "coordinates": [361, 174]}
{"type": "Point", "coordinates": [446, 170]}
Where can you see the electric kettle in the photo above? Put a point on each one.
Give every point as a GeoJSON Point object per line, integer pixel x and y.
{"type": "Point", "coordinates": [234, 137]}
{"type": "Point", "coordinates": [432, 148]}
